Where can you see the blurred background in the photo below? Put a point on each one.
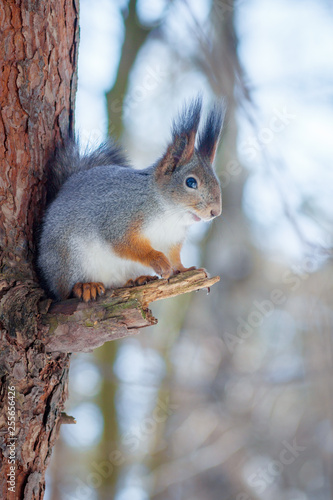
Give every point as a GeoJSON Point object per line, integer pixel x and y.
{"type": "Point", "coordinates": [229, 397]}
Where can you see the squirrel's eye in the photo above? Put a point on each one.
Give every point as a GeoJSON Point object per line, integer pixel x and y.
{"type": "Point", "coordinates": [191, 183]}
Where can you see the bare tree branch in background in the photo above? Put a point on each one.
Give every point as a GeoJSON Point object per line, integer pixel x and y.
{"type": "Point", "coordinates": [134, 38]}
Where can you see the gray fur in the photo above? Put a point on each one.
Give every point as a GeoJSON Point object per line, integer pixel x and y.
{"type": "Point", "coordinates": [67, 161]}
{"type": "Point", "coordinates": [96, 201]}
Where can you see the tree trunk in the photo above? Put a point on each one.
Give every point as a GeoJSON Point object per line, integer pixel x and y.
{"type": "Point", "coordinates": [38, 58]}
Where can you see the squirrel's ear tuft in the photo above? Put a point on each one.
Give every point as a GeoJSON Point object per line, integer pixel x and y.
{"type": "Point", "coordinates": [184, 131]}
{"type": "Point", "coordinates": [187, 123]}
{"type": "Point", "coordinates": [210, 133]}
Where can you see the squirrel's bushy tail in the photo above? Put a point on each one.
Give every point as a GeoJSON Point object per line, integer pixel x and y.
{"type": "Point", "coordinates": [67, 160]}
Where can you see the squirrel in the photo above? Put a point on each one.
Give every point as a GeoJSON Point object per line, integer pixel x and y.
{"type": "Point", "coordinates": [109, 225]}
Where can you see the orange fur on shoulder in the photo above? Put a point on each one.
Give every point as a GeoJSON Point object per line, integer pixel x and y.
{"type": "Point", "coordinates": [137, 247]}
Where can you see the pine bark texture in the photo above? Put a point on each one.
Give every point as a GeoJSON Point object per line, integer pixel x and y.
{"type": "Point", "coordinates": [38, 58]}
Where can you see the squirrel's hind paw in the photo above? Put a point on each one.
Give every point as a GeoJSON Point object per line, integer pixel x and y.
{"type": "Point", "coordinates": [88, 291]}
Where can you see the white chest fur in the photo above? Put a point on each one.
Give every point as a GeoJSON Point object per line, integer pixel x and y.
{"type": "Point", "coordinates": [163, 233]}
{"type": "Point", "coordinates": [100, 263]}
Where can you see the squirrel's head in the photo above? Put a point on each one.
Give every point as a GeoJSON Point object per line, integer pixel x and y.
{"type": "Point", "coordinates": [185, 173]}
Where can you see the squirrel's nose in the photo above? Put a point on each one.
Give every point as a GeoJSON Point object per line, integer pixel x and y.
{"type": "Point", "coordinates": [215, 212]}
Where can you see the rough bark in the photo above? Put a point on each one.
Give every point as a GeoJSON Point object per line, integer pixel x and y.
{"type": "Point", "coordinates": [38, 55]}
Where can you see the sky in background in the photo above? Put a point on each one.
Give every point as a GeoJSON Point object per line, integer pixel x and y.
{"type": "Point", "coordinates": [286, 49]}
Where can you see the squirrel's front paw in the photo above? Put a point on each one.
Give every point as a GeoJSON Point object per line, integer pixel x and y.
{"type": "Point", "coordinates": [182, 269]}
{"type": "Point", "coordinates": [88, 291]}
{"type": "Point", "coordinates": [141, 280]}
{"type": "Point", "coordinates": [161, 265]}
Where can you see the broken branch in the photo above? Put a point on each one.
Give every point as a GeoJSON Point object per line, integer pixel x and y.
{"type": "Point", "coordinates": [74, 326]}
